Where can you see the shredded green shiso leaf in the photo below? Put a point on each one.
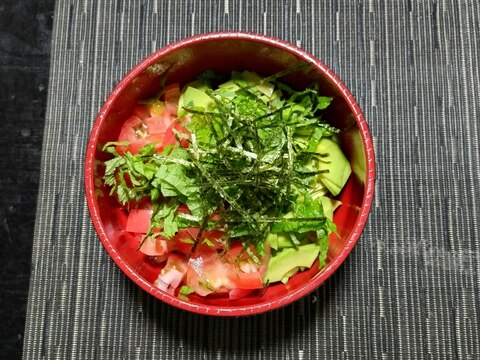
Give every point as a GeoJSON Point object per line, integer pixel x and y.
{"type": "Point", "coordinates": [250, 168]}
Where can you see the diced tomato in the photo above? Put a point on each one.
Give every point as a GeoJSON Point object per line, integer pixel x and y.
{"type": "Point", "coordinates": [207, 273]}
{"type": "Point", "coordinates": [182, 241]}
{"type": "Point", "coordinates": [213, 234]}
{"type": "Point", "coordinates": [154, 246]}
{"type": "Point", "coordinates": [244, 280]}
{"type": "Point", "coordinates": [183, 209]}
{"type": "Point", "coordinates": [135, 146]}
{"type": "Point", "coordinates": [235, 294]}
{"type": "Point", "coordinates": [142, 128]}
{"type": "Point", "coordinates": [176, 261]}
{"type": "Point", "coordinates": [181, 245]}
{"type": "Point", "coordinates": [168, 139]}
{"type": "Point", "coordinates": [156, 125]}
{"type": "Point", "coordinates": [237, 252]}
{"type": "Point", "coordinates": [129, 134]}
{"type": "Point", "coordinates": [159, 259]}
{"type": "Point", "coordinates": [248, 266]}
{"type": "Point", "coordinates": [214, 238]}
{"type": "Point", "coordinates": [215, 217]}
{"type": "Point", "coordinates": [142, 112]}
{"type": "Point", "coordinates": [172, 94]}
{"type": "Point", "coordinates": [184, 140]}
{"type": "Point", "coordinates": [139, 220]}
{"type": "Point", "coordinates": [193, 231]}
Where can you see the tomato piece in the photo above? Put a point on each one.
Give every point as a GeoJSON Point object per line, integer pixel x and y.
{"type": "Point", "coordinates": [182, 241]}
{"type": "Point", "coordinates": [207, 273]}
{"type": "Point", "coordinates": [172, 94]}
{"type": "Point", "coordinates": [237, 252]}
{"type": "Point", "coordinates": [184, 139]}
{"type": "Point", "coordinates": [168, 139]}
{"type": "Point", "coordinates": [235, 294]}
{"type": "Point", "coordinates": [156, 125]}
{"type": "Point", "coordinates": [143, 128]}
{"type": "Point", "coordinates": [244, 280]}
{"type": "Point", "coordinates": [193, 231]}
{"type": "Point", "coordinates": [127, 133]}
{"type": "Point", "coordinates": [214, 238]}
{"type": "Point", "coordinates": [135, 146]}
{"type": "Point", "coordinates": [159, 259]}
{"type": "Point", "coordinates": [160, 129]}
{"type": "Point", "coordinates": [183, 209]}
{"type": "Point", "coordinates": [130, 133]}
{"type": "Point", "coordinates": [139, 220]}
{"type": "Point", "coordinates": [142, 112]}
{"type": "Point", "coordinates": [176, 261]}
{"type": "Point", "coordinates": [154, 246]}
{"type": "Point", "coordinates": [172, 125]}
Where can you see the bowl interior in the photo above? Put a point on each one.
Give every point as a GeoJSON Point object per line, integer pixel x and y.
{"type": "Point", "coordinates": [182, 63]}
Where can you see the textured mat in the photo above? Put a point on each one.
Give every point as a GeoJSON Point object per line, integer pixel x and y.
{"type": "Point", "coordinates": [410, 288]}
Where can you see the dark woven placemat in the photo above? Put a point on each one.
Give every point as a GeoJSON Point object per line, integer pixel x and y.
{"type": "Point", "coordinates": [410, 288]}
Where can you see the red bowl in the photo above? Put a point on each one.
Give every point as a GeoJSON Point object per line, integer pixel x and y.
{"type": "Point", "coordinates": [224, 52]}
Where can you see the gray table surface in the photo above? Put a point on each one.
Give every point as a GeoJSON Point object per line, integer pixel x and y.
{"type": "Point", "coordinates": [410, 288]}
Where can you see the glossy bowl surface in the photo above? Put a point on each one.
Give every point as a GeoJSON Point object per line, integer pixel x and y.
{"type": "Point", "coordinates": [224, 52]}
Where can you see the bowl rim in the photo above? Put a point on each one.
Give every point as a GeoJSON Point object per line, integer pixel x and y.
{"type": "Point", "coordinates": [244, 309]}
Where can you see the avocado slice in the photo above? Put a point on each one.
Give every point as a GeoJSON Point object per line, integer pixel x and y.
{"type": "Point", "coordinates": [248, 78]}
{"type": "Point", "coordinates": [336, 163]}
{"type": "Point", "coordinates": [329, 206]}
{"type": "Point", "coordinates": [272, 239]}
{"type": "Point", "coordinates": [289, 274]}
{"type": "Point", "coordinates": [280, 240]}
{"type": "Point", "coordinates": [230, 85]}
{"type": "Point", "coordinates": [353, 145]}
{"type": "Point", "coordinates": [284, 240]}
{"type": "Point", "coordinates": [193, 97]}
{"type": "Point", "coordinates": [265, 88]}
{"type": "Point", "coordinates": [318, 189]}
{"type": "Point", "coordinates": [288, 259]}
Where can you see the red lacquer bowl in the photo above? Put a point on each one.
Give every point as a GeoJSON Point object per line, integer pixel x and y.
{"type": "Point", "coordinates": [224, 52]}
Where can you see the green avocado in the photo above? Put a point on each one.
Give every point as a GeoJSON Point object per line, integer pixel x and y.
{"type": "Point", "coordinates": [247, 79]}
{"type": "Point", "coordinates": [193, 97]}
{"type": "Point", "coordinates": [280, 240]}
{"type": "Point", "coordinates": [285, 261]}
{"type": "Point", "coordinates": [230, 85]}
{"type": "Point", "coordinates": [290, 274]}
{"type": "Point", "coordinates": [252, 78]}
{"type": "Point", "coordinates": [329, 206]}
{"type": "Point", "coordinates": [336, 163]}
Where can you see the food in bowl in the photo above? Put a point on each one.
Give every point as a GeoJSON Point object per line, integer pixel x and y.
{"type": "Point", "coordinates": [229, 222]}
{"type": "Point", "coordinates": [229, 183]}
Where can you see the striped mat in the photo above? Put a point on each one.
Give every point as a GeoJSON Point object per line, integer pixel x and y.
{"type": "Point", "coordinates": [411, 287]}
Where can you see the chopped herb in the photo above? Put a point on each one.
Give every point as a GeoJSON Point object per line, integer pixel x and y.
{"type": "Point", "coordinates": [184, 292]}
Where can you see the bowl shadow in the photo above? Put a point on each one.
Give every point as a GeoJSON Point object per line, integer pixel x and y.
{"type": "Point", "coordinates": [281, 333]}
